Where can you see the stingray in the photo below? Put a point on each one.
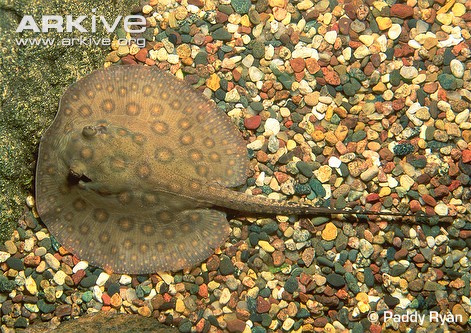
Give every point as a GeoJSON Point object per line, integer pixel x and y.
{"type": "Point", "coordinates": [137, 170]}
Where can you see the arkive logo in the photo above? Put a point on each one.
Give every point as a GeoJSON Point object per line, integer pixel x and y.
{"type": "Point", "coordinates": [80, 25]}
{"type": "Point", "coordinates": [69, 23]}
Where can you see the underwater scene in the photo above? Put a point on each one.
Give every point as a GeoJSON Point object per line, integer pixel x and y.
{"type": "Point", "coordinates": [235, 166]}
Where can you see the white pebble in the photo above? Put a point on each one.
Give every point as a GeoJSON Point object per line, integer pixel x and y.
{"type": "Point", "coordinates": [270, 52]}
{"type": "Point", "coordinates": [125, 279]}
{"type": "Point", "coordinates": [232, 96]}
{"type": "Point", "coordinates": [31, 286]}
{"type": "Point", "coordinates": [305, 52]}
{"type": "Point", "coordinates": [272, 125]}
{"type": "Point", "coordinates": [260, 181]}
{"type": "Point", "coordinates": [248, 61]}
{"type": "Point", "coordinates": [414, 44]}
{"type": "Point", "coordinates": [325, 100]}
{"type": "Point", "coordinates": [255, 145]}
{"type": "Point", "coordinates": [441, 209]}
{"type": "Point", "coordinates": [395, 31]}
{"type": "Point", "coordinates": [367, 39]}
{"type": "Point", "coordinates": [430, 241]}
{"type": "Point", "coordinates": [457, 68]}
{"type": "Point", "coordinates": [232, 28]}
{"type": "Point", "coordinates": [52, 261]}
{"type": "Point", "coordinates": [102, 278]}
{"type": "Point", "coordinates": [160, 54]}
{"type": "Point", "coordinates": [97, 293]}
{"type": "Point", "coordinates": [30, 201]}
{"type": "Point", "coordinates": [288, 324]}
{"type": "Point", "coordinates": [334, 162]}
{"type": "Point", "coordinates": [173, 59]}
{"type": "Point", "coordinates": [361, 52]}
{"type": "Point", "coordinates": [193, 9]}
{"type": "Point", "coordinates": [440, 239]}
{"type": "Point", "coordinates": [59, 277]}
{"type": "Point", "coordinates": [40, 235]}
{"type": "Point", "coordinates": [255, 74]}
{"type": "Point", "coordinates": [462, 117]}
{"type": "Point", "coordinates": [225, 296]}
{"type": "Point", "coordinates": [4, 256]}
{"type": "Point", "coordinates": [29, 244]}
{"type": "Point", "coordinates": [408, 72]}
{"type": "Point", "coordinates": [168, 278]}
{"type": "Point", "coordinates": [330, 36]}
{"type": "Point", "coordinates": [80, 265]}
{"type": "Point", "coordinates": [151, 295]}
{"type": "Point", "coordinates": [406, 182]}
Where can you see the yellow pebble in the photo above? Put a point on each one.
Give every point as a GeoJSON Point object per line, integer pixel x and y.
{"type": "Point", "coordinates": [422, 143]}
{"type": "Point", "coordinates": [458, 9]}
{"type": "Point", "coordinates": [384, 23]}
{"type": "Point", "coordinates": [213, 82]}
{"type": "Point", "coordinates": [385, 191]}
{"type": "Point", "coordinates": [179, 306]}
{"type": "Point", "coordinates": [266, 246]}
{"type": "Point", "coordinates": [330, 232]}
{"type": "Point", "coordinates": [363, 307]}
{"type": "Point", "coordinates": [290, 145]}
{"type": "Point", "coordinates": [317, 135]}
{"type": "Point", "coordinates": [329, 113]}
{"type": "Point", "coordinates": [379, 88]}
{"type": "Point", "coordinates": [362, 297]}
{"type": "Point", "coordinates": [244, 21]}
{"type": "Point", "coordinates": [439, 124]}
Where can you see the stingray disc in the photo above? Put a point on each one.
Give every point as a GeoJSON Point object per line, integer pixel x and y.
{"type": "Point", "coordinates": [122, 171]}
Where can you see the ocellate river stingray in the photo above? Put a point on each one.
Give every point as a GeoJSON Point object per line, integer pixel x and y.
{"type": "Point", "coordinates": [135, 171]}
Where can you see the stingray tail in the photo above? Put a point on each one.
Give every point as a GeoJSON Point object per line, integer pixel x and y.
{"type": "Point", "coordinates": [259, 204]}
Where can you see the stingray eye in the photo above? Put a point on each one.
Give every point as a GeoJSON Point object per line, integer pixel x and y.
{"type": "Point", "coordinates": [88, 131]}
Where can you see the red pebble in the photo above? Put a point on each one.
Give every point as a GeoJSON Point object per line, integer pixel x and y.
{"type": "Point", "coordinates": [375, 328]}
{"type": "Point", "coordinates": [106, 299]}
{"type": "Point", "coordinates": [297, 64]}
{"type": "Point", "coordinates": [263, 305]}
{"type": "Point", "coordinates": [454, 185]}
{"type": "Point", "coordinates": [203, 290]}
{"type": "Point", "coordinates": [252, 122]}
{"type": "Point", "coordinates": [331, 76]}
{"type": "Point", "coordinates": [466, 156]}
{"type": "Point", "coordinates": [441, 191]}
{"type": "Point", "coordinates": [77, 277]}
{"type": "Point", "coordinates": [429, 200]}
{"type": "Point", "coordinates": [32, 261]}
{"type": "Point", "coordinates": [312, 65]}
{"type": "Point", "coordinates": [402, 11]}
{"type": "Point", "coordinates": [141, 55]}
{"type": "Point", "coordinates": [414, 206]}
{"type": "Point", "coordinates": [200, 325]}
{"type": "Point", "coordinates": [372, 197]}
{"type": "Point", "coordinates": [128, 60]}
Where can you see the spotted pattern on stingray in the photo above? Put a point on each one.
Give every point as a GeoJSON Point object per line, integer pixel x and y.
{"type": "Point", "coordinates": [143, 170]}
{"type": "Point", "coordinates": [101, 215]}
{"type": "Point", "coordinates": [195, 155]}
{"type": "Point", "coordinates": [187, 139]}
{"type": "Point", "coordinates": [132, 109]}
{"type": "Point", "coordinates": [124, 171]}
{"type": "Point", "coordinates": [85, 111]}
{"type": "Point", "coordinates": [139, 139]}
{"type": "Point", "coordinates": [159, 127]}
{"type": "Point", "coordinates": [163, 154]}
{"type": "Point", "coordinates": [147, 90]}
